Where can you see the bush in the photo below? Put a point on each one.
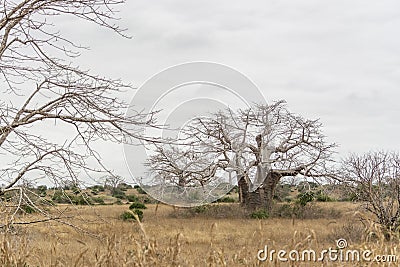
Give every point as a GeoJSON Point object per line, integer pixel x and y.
{"type": "Point", "coordinates": [147, 200]}
{"type": "Point", "coordinates": [76, 190]}
{"type": "Point", "coordinates": [60, 197]}
{"type": "Point", "coordinates": [139, 213]}
{"type": "Point", "coordinates": [81, 200]}
{"type": "Point", "coordinates": [201, 209]}
{"type": "Point", "coordinates": [63, 198]}
{"type": "Point", "coordinates": [120, 196]}
{"type": "Point", "coordinates": [309, 211]}
{"type": "Point", "coordinates": [137, 205]}
{"type": "Point", "coordinates": [132, 198]}
{"type": "Point", "coordinates": [118, 202]}
{"type": "Point", "coordinates": [226, 200]}
{"type": "Point", "coordinates": [127, 215]}
{"type": "Point", "coordinates": [98, 200]}
{"type": "Point", "coordinates": [42, 190]}
{"type": "Point", "coordinates": [259, 214]}
{"type": "Point", "coordinates": [323, 198]}
{"type": "Point", "coordinates": [130, 215]}
{"type": "Point", "coordinates": [351, 197]}
{"type": "Point", "coordinates": [7, 196]}
{"type": "Point", "coordinates": [304, 198]}
{"type": "Point", "coordinates": [28, 209]}
{"type": "Point", "coordinates": [118, 193]}
{"type": "Point", "coordinates": [124, 186]}
{"type": "Point", "coordinates": [232, 211]}
{"type": "Point", "coordinates": [140, 190]}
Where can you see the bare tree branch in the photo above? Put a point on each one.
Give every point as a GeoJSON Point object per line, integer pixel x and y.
{"type": "Point", "coordinates": [42, 86]}
{"type": "Point", "coordinates": [374, 179]}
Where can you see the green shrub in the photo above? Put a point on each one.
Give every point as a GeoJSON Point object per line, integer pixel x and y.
{"type": "Point", "coordinates": [141, 191]}
{"type": "Point", "coordinates": [76, 190]}
{"type": "Point", "coordinates": [120, 196]}
{"type": "Point", "coordinates": [118, 193]}
{"type": "Point", "coordinates": [137, 205]}
{"type": "Point", "coordinates": [309, 211]}
{"type": "Point", "coordinates": [42, 190]}
{"type": "Point", "coordinates": [352, 197]}
{"type": "Point", "coordinates": [118, 202]}
{"type": "Point", "coordinates": [132, 198]}
{"type": "Point", "coordinates": [226, 200]}
{"type": "Point", "coordinates": [124, 186]}
{"type": "Point", "coordinates": [147, 200]}
{"type": "Point", "coordinates": [127, 215]}
{"type": "Point", "coordinates": [304, 198]}
{"type": "Point", "coordinates": [96, 187]}
{"type": "Point", "coordinates": [139, 213]}
{"type": "Point", "coordinates": [60, 197]}
{"type": "Point", "coordinates": [323, 198]}
{"type": "Point", "coordinates": [201, 209]}
{"type": "Point", "coordinates": [130, 215]}
{"type": "Point", "coordinates": [81, 200]}
{"type": "Point", "coordinates": [296, 210]}
{"type": "Point", "coordinates": [63, 198]}
{"type": "Point", "coordinates": [28, 209]}
{"type": "Point", "coordinates": [259, 214]}
{"type": "Point", "coordinates": [7, 196]}
{"type": "Point", "coordinates": [98, 200]}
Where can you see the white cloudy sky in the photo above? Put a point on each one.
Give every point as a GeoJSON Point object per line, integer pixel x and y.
{"type": "Point", "coordinates": [335, 60]}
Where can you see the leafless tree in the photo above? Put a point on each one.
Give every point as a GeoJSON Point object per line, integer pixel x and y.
{"type": "Point", "coordinates": [260, 145]}
{"type": "Point", "coordinates": [112, 182]}
{"type": "Point", "coordinates": [182, 166]}
{"type": "Point", "coordinates": [374, 179]}
{"type": "Point", "coordinates": [41, 86]}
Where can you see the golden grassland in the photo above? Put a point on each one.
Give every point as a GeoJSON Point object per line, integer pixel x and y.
{"type": "Point", "coordinates": [173, 237]}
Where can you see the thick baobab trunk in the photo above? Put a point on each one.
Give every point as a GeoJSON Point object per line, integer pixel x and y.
{"type": "Point", "coordinates": [269, 187]}
{"type": "Point", "coordinates": [262, 197]}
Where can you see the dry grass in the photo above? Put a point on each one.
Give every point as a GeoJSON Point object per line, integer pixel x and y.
{"type": "Point", "coordinates": [166, 238]}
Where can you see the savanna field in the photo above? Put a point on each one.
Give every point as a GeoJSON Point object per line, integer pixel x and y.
{"type": "Point", "coordinates": [220, 234]}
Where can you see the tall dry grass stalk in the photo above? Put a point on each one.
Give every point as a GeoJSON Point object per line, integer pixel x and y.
{"type": "Point", "coordinates": [14, 251]}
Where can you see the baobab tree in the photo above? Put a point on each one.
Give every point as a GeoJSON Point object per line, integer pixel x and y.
{"type": "Point", "coordinates": [42, 87]}
{"type": "Point", "coordinates": [374, 179]}
{"type": "Point", "coordinates": [260, 145]}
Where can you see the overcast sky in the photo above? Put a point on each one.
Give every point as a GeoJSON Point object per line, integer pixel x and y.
{"type": "Point", "coordinates": [335, 60]}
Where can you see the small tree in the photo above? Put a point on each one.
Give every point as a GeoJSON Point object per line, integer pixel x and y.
{"type": "Point", "coordinates": [111, 182]}
{"type": "Point", "coordinates": [374, 179]}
